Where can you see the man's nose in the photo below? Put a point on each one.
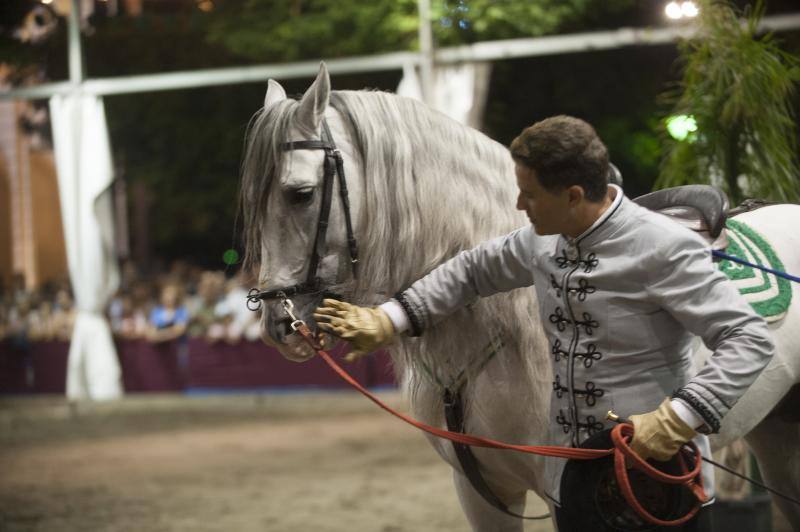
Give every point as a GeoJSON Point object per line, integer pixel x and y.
{"type": "Point", "coordinates": [520, 203]}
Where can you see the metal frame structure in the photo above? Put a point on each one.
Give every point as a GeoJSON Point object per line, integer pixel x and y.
{"type": "Point", "coordinates": [425, 59]}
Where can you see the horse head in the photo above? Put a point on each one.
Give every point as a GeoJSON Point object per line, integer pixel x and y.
{"type": "Point", "coordinates": [422, 188]}
{"type": "Point", "coordinates": [283, 197]}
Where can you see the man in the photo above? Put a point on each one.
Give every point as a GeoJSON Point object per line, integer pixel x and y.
{"type": "Point", "coordinates": [620, 291]}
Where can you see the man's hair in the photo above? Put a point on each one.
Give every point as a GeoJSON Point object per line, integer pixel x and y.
{"type": "Point", "coordinates": [564, 151]}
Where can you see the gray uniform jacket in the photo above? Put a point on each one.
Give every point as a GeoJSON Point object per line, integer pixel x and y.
{"type": "Point", "coordinates": [619, 305]}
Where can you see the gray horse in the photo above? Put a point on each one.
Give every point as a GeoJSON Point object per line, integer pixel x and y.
{"type": "Point", "coordinates": [423, 188]}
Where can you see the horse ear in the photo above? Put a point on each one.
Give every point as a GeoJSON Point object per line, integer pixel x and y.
{"type": "Point", "coordinates": [315, 100]}
{"type": "Point", "coordinates": [275, 94]}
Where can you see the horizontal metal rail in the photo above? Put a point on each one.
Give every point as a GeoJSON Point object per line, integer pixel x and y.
{"type": "Point", "coordinates": [482, 51]}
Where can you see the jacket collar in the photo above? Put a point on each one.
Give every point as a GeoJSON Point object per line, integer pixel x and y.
{"type": "Point", "coordinates": [607, 223]}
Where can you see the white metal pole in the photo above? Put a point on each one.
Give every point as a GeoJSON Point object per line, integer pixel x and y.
{"type": "Point", "coordinates": [425, 51]}
{"type": "Point", "coordinates": [75, 56]}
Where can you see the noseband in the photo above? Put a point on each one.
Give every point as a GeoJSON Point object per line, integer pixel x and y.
{"type": "Point", "coordinates": [333, 165]}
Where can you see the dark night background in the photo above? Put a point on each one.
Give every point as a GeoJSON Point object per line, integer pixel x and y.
{"type": "Point", "coordinates": [179, 151]}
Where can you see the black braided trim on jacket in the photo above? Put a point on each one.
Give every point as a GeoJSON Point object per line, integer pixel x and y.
{"type": "Point", "coordinates": [413, 318]}
{"type": "Point", "coordinates": [700, 407]}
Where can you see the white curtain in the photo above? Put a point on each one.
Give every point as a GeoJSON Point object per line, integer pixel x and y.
{"type": "Point", "coordinates": [83, 163]}
{"type": "Point", "coordinates": [459, 90]}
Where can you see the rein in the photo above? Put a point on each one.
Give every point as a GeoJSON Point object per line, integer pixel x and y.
{"type": "Point", "coordinates": [779, 273]}
{"type": "Point", "coordinates": [621, 436]}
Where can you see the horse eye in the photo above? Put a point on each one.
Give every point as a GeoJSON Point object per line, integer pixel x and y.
{"type": "Point", "coordinates": [300, 195]}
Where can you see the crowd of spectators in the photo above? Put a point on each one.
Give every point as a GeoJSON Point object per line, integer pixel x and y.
{"type": "Point", "coordinates": [185, 301]}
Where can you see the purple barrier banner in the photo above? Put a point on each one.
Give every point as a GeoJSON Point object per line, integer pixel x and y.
{"type": "Point", "coordinates": [186, 365]}
{"type": "Point", "coordinates": [149, 367]}
{"type": "Point", "coordinates": [254, 365]}
{"type": "Point", "coordinates": [39, 367]}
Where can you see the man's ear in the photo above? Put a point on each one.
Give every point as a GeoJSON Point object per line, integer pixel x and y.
{"type": "Point", "coordinates": [575, 195]}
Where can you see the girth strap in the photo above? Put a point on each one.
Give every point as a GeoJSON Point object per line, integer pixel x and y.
{"type": "Point", "coordinates": [454, 414]}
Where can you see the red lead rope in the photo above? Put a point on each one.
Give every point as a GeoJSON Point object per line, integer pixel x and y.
{"type": "Point", "coordinates": [620, 435]}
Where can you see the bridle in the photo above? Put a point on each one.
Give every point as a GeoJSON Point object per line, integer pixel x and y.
{"type": "Point", "coordinates": [333, 164]}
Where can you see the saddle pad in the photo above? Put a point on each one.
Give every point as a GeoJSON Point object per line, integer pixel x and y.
{"type": "Point", "coordinates": [767, 293]}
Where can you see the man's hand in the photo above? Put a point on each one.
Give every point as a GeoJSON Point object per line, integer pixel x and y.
{"type": "Point", "coordinates": [659, 434]}
{"type": "Point", "coordinates": [366, 329]}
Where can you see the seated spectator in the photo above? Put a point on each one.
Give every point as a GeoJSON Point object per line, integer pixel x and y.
{"type": "Point", "coordinates": [63, 319]}
{"type": "Point", "coordinates": [128, 321]}
{"type": "Point", "coordinates": [203, 307]}
{"type": "Point", "coordinates": [19, 323]}
{"type": "Point", "coordinates": [41, 323]}
{"type": "Point", "coordinates": [168, 320]}
{"type": "Point", "coordinates": [218, 331]}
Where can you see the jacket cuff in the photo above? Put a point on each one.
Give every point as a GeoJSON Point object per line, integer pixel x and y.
{"type": "Point", "coordinates": [686, 414]}
{"type": "Point", "coordinates": [698, 400]}
{"type": "Point", "coordinates": [414, 311]}
{"type": "Point", "coordinates": [397, 315]}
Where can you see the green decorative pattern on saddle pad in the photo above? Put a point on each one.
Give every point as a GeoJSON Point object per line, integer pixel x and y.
{"type": "Point", "coordinates": [768, 294]}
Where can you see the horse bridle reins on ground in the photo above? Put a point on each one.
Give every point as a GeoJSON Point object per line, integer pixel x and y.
{"type": "Point", "coordinates": [621, 434]}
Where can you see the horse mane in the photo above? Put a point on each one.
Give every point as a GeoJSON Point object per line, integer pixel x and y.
{"type": "Point", "coordinates": [432, 188]}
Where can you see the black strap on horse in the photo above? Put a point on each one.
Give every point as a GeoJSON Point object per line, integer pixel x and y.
{"type": "Point", "coordinates": [332, 165]}
{"type": "Point", "coordinates": [454, 414]}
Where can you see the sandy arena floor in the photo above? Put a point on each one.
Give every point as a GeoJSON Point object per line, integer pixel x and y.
{"type": "Point", "coordinates": [294, 462]}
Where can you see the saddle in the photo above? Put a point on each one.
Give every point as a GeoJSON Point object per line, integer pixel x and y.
{"type": "Point", "coordinates": [704, 209]}
{"type": "Point", "coordinates": [701, 208]}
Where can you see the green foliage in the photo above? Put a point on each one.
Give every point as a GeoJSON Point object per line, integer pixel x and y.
{"type": "Point", "coordinates": [739, 87]}
{"type": "Point", "coordinates": [266, 30]}
{"type": "Point", "coordinates": [271, 31]}
{"type": "Point", "coordinates": [186, 145]}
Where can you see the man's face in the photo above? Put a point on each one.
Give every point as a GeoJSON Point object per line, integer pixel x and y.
{"type": "Point", "coordinates": [547, 211]}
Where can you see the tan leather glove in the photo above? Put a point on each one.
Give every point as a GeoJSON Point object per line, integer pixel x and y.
{"type": "Point", "coordinates": [659, 434]}
{"type": "Point", "coordinates": [366, 329]}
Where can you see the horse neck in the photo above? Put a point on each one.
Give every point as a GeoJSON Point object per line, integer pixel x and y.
{"type": "Point", "coordinates": [431, 188]}
{"type": "Point", "coordinates": [445, 191]}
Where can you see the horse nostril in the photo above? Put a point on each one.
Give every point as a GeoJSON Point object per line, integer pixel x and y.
{"type": "Point", "coordinates": [287, 326]}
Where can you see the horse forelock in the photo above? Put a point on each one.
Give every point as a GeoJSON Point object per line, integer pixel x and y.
{"type": "Point", "coordinates": [262, 161]}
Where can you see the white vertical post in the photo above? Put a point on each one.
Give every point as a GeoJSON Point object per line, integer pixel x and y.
{"type": "Point", "coordinates": [75, 56]}
{"type": "Point", "coordinates": [426, 51]}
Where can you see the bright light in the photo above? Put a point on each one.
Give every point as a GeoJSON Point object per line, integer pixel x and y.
{"type": "Point", "coordinates": [689, 9]}
{"type": "Point", "coordinates": [678, 10]}
{"type": "Point", "coordinates": [47, 1]}
{"type": "Point", "coordinates": [673, 10]}
{"type": "Point", "coordinates": [682, 127]}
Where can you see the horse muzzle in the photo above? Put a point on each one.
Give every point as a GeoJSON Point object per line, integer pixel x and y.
{"type": "Point", "coordinates": [277, 332]}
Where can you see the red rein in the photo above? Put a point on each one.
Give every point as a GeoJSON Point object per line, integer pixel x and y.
{"type": "Point", "coordinates": [620, 435]}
